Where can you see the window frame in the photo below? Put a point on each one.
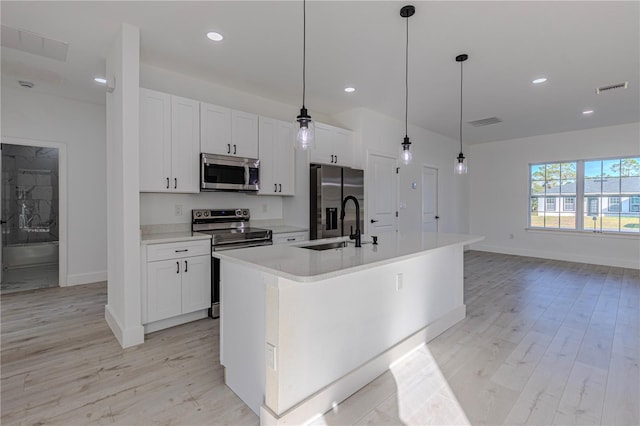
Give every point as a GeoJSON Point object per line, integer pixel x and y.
{"type": "Point", "coordinates": [581, 199]}
{"type": "Point", "coordinates": [572, 204]}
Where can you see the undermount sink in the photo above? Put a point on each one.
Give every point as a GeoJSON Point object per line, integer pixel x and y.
{"type": "Point", "coordinates": [327, 246]}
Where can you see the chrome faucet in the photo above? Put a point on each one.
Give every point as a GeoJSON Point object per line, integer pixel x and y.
{"type": "Point", "coordinates": [357, 234]}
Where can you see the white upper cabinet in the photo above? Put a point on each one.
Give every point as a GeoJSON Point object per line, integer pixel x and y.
{"type": "Point", "coordinates": [215, 129]}
{"type": "Point", "coordinates": [169, 143]}
{"type": "Point", "coordinates": [225, 131]}
{"type": "Point", "coordinates": [333, 146]}
{"type": "Point", "coordinates": [277, 157]}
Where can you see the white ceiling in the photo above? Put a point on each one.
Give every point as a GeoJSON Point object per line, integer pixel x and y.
{"type": "Point", "coordinates": [577, 45]}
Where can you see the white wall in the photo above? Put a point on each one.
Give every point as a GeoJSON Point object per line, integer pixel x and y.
{"type": "Point", "coordinates": [384, 134]}
{"type": "Point", "coordinates": [80, 126]}
{"type": "Point", "coordinates": [499, 195]}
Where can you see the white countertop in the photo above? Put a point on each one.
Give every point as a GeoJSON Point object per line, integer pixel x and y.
{"type": "Point", "coordinates": [305, 265]}
{"type": "Point", "coordinates": [173, 237]}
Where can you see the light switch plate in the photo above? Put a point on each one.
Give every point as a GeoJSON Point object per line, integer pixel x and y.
{"type": "Point", "coordinates": [399, 282]}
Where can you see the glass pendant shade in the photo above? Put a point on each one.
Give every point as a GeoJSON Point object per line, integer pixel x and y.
{"type": "Point", "coordinates": [405, 154]}
{"type": "Point", "coordinates": [460, 166]}
{"type": "Point", "coordinates": [305, 137]}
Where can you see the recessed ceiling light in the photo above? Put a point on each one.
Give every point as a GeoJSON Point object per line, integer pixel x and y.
{"type": "Point", "coordinates": [349, 89]}
{"type": "Point", "coordinates": [100, 80]}
{"type": "Point", "coordinates": [539, 80]}
{"type": "Point", "coordinates": [212, 35]}
{"type": "Point", "coordinates": [587, 111]}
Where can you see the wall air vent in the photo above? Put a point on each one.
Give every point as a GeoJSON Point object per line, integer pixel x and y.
{"type": "Point", "coordinates": [485, 121]}
{"type": "Point", "coordinates": [612, 87]}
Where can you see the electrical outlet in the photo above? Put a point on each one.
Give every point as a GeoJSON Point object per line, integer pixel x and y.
{"type": "Point", "coordinates": [399, 284]}
{"type": "Point", "coordinates": [178, 210]}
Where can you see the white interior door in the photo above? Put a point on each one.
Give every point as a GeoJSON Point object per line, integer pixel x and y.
{"type": "Point", "coordinates": [382, 204]}
{"type": "Point", "coordinates": [429, 199]}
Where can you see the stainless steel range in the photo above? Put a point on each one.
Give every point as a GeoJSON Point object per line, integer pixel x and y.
{"type": "Point", "coordinates": [230, 229]}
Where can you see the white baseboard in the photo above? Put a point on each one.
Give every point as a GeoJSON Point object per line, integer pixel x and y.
{"type": "Point", "coordinates": [568, 257]}
{"type": "Point", "coordinates": [88, 278]}
{"type": "Point", "coordinates": [172, 322]}
{"type": "Point", "coordinates": [323, 400]}
{"type": "Point", "coordinates": [126, 337]}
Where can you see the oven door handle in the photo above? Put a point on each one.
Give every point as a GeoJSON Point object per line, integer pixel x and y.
{"type": "Point", "coordinates": [234, 246]}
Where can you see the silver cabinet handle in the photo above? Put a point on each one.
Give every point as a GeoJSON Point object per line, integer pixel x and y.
{"type": "Point", "coordinates": [175, 183]}
{"type": "Point", "coordinates": [177, 267]}
{"type": "Point", "coordinates": [186, 266]}
{"type": "Point", "coordinates": [167, 183]}
{"type": "Point", "coordinates": [228, 148]}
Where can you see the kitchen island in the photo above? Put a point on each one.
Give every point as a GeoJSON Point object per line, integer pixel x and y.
{"type": "Point", "coordinates": [303, 329]}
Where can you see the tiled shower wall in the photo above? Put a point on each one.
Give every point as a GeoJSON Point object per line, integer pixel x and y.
{"type": "Point", "coordinates": [30, 194]}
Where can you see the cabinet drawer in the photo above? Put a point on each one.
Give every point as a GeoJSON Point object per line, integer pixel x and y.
{"type": "Point", "coordinates": [178, 250]}
{"type": "Point", "coordinates": [290, 237]}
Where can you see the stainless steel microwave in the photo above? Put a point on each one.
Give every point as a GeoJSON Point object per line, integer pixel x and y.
{"type": "Point", "coordinates": [226, 173]}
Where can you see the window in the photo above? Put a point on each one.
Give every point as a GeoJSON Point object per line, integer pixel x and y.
{"type": "Point", "coordinates": [551, 204]}
{"type": "Point", "coordinates": [569, 204]}
{"type": "Point", "coordinates": [606, 191]}
{"type": "Point", "coordinates": [550, 183]}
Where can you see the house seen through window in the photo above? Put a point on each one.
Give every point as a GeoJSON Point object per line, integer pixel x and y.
{"type": "Point", "coordinates": [606, 191]}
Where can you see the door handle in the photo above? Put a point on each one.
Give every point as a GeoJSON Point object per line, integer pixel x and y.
{"type": "Point", "coordinates": [167, 183]}
{"type": "Point", "coordinates": [331, 158]}
{"type": "Point", "coordinates": [186, 266]}
{"type": "Point", "coordinates": [280, 187]}
{"type": "Point", "coordinates": [228, 148]}
{"type": "Point", "coordinates": [175, 183]}
{"type": "Point", "coordinates": [275, 187]}
{"type": "Point", "coordinates": [374, 220]}
{"type": "Point", "coordinates": [336, 160]}
{"type": "Point", "coordinates": [234, 149]}
{"type": "Point", "coordinates": [177, 267]}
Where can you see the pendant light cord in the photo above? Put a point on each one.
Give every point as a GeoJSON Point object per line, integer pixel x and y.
{"type": "Point", "coordinates": [461, 62]}
{"type": "Point", "coordinates": [406, 83]}
{"type": "Point", "coordinates": [304, 49]}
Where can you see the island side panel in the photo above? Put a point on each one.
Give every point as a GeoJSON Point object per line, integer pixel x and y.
{"type": "Point", "coordinates": [328, 328]}
{"type": "Point", "coordinates": [242, 331]}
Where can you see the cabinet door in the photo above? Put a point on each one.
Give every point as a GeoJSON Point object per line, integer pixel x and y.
{"type": "Point", "coordinates": [284, 158]}
{"type": "Point", "coordinates": [244, 134]}
{"type": "Point", "coordinates": [196, 283]}
{"type": "Point", "coordinates": [215, 129]}
{"type": "Point", "coordinates": [185, 144]}
{"type": "Point", "coordinates": [155, 141]}
{"type": "Point", "coordinates": [343, 147]}
{"type": "Point", "coordinates": [266, 153]}
{"type": "Point", "coordinates": [164, 289]}
{"type": "Point", "coordinates": [323, 152]}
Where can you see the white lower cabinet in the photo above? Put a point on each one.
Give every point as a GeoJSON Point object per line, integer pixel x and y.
{"type": "Point", "coordinates": [290, 237]}
{"type": "Point", "coordinates": [176, 282]}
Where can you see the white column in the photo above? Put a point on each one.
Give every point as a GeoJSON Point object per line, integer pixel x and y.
{"type": "Point", "coordinates": [123, 310]}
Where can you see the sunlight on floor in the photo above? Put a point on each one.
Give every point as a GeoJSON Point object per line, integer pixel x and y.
{"type": "Point", "coordinates": [413, 392]}
{"type": "Point", "coordinates": [424, 396]}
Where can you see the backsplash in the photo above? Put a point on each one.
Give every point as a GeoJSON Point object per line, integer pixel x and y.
{"type": "Point", "coordinates": [159, 208]}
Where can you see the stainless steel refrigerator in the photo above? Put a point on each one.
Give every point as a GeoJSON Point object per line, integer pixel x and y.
{"type": "Point", "coordinates": [329, 185]}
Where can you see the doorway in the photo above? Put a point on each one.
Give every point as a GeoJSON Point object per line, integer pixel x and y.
{"type": "Point", "coordinates": [429, 199]}
{"type": "Point", "coordinates": [382, 193]}
{"type": "Point", "coordinates": [30, 199]}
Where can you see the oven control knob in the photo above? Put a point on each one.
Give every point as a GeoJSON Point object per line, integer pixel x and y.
{"type": "Point", "coordinates": [238, 213]}
{"type": "Point", "coordinates": [198, 214]}
{"type": "Point", "coordinates": [245, 212]}
{"type": "Point", "coordinates": [206, 214]}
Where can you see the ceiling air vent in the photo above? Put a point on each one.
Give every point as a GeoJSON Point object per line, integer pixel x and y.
{"type": "Point", "coordinates": [485, 121]}
{"type": "Point", "coordinates": [33, 43]}
{"type": "Point", "coordinates": [612, 87]}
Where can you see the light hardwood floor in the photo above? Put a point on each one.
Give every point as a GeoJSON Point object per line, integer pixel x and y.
{"type": "Point", "coordinates": [544, 342]}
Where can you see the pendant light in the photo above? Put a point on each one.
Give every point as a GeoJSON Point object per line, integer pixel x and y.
{"type": "Point", "coordinates": [405, 155]}
{"type": "Point", "coordinates": [460, 166]}
{"type": "Point", "coordinates": [305, 138]}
